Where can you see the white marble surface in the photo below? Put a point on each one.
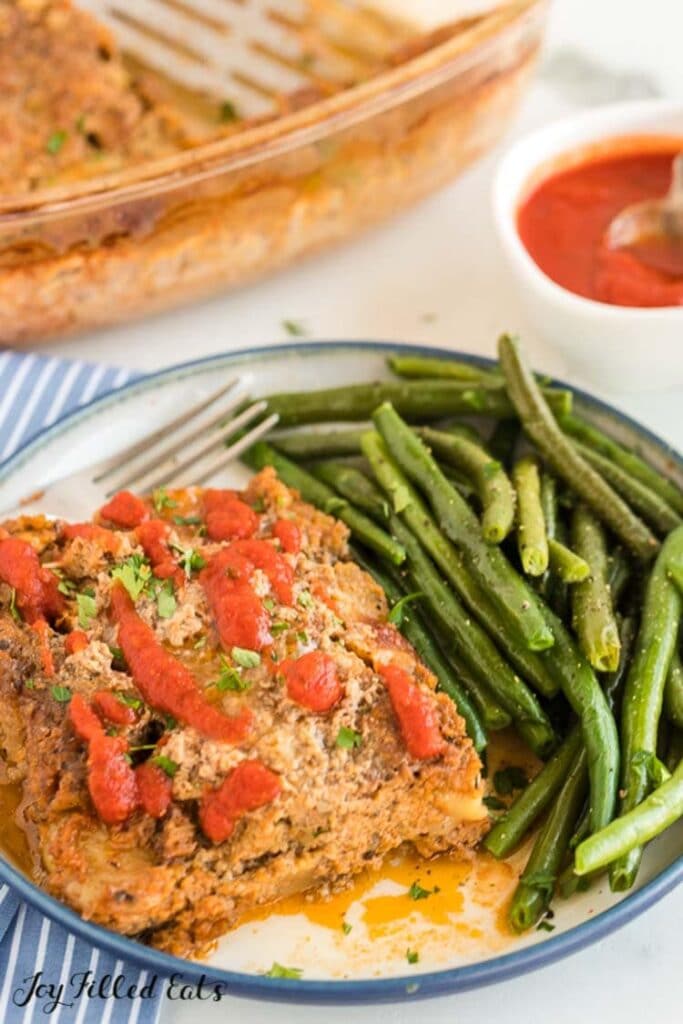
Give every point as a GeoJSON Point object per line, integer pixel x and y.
{"type": "Point", "coordinates": [442, 259]}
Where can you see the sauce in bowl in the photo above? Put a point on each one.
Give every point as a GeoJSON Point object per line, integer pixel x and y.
{"type": "Point", "coordinates": [563, 221]}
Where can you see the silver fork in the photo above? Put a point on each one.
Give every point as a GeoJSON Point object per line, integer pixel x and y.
{"type": "Point", "coordinates": [189, 449]}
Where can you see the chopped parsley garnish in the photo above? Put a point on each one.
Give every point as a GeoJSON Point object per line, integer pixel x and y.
{"type": "Point", "coordinates": [346, 927]}
{"type": "Point", "coordinates": [278, 971]}
{"type": "Point", "coordinates": [30, 684]}
{"type": "Point", "coordinates": [294, 328]}
{"type": "Point", "coordinates": [167, 764]}
{"type": "Point", "coordinates": [302, 636]}
{"type": "Point", "coordinates": [228, 112]}
{"type": "Point", "coordinates": [87, 608]}
{"type": "Point", "coordinates": [545, 926]}
{"type": "Point", "coordinates": [161, 500]}
{"type": "Point", "coordinates": [170, 722]}
{"type": "Point", "coordinates": [305, 599]}
{"type": "Point", "coordinates": [269, 604]}
{"type": "Point", "coordinates": [506, 780]}
{"type": "Point", "coordinates": [245, 658]}
{"type": "Point", "coordinates": [66, 587]}
{"type": "Point", "coordinates": [188, 559]}
{"type": "Point", "coordinates": [56, 141]}
{"type": "Point", "coordinates": [117, 655]}
{"type": "Point", "coordinates": [135, 574]}
{"type": "Point", "coordinates": [278, 627]}
{"type": "Point", "coordinates": [398, 611]}
{"type": "Point", "coordinates": [348, 739]}
{"type": "Point", "coordinates": [129, 699]}
{"type": "Point", "coordinates": [13, 610]}
{"type": "Point", "coordinates": [166, 603]}
{"type": "Point", "coordinates": [416, 892]}
{"type": "Point", "coordinates": [199, 644]}
{"type": "Point", "coordinates": [493, 803]}
{"type": "Point", "coordinates": [231, 679]}
{"type": "Point", "coordinates": [187, 520]}
{"type": "Point", "coordinates": [61, 693]}
{"type": "Point", "coordinates": [412, 956]}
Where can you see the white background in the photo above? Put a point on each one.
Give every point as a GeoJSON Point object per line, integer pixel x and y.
{"type": "Point", "coordinates": [442, 259]}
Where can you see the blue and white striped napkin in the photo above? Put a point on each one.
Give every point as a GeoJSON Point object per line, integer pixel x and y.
{"type": "Point", "coordinates": [34, 392]}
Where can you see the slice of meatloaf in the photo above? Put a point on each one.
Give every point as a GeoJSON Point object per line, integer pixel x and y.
{"type": "Point", "coordinates": [207, 710]}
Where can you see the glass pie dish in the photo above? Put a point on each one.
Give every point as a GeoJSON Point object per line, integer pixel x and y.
{"type": "Point", "coordinates": [223, 212]}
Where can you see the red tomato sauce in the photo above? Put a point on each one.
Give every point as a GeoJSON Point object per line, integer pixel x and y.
{"type": "Point", "coordinates": [289, 535]}
{"type": "Point", "coordinates": [125, 509]}
{"type": "Point", "coordinates": [164, 682]}
{"type": "Point", "coordinates": [563, 223]}
{"type": "Point", "coordinates": [240, 616]}
{"type": "Point", "coordinates": [248, 786]}
{"type": "Point", "coordinates": [155, 789]}
{"type": "Point", "coordinates": [112, 783]}
{"type": "Point", "coordinates": [312, 681]}
{"type": "Point", "coordinates": [76, 641]}
{"type": "Point", "coordinates": [227, 517]}
{"type": "Point", "coordinates": [109, 541]}
{"type": "Point", "coordinates": [153, 536]}
{"type": "Point", "coordinates": [37, 596]}
{"type": "Point", "coordinates": [114, 710]}
{"type": "Point", "coordinates": [416, 713]}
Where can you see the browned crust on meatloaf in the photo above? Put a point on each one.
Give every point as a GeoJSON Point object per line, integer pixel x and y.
{"type": "Point", "coordinates": [339, 810]}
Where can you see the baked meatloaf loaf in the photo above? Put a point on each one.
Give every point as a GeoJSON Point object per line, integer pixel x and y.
{"type": "Point", "coordinates": [208, 710]}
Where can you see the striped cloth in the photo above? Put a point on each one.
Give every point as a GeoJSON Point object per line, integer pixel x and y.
{"type": "Point", "coordinates": [34, 392]}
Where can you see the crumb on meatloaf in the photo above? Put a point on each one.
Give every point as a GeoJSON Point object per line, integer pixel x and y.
{"type": "Point", "coordinates": [344, 789]}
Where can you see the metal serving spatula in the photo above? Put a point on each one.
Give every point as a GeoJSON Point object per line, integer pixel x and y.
{"type": "Point", "coordinates": [252, 52]}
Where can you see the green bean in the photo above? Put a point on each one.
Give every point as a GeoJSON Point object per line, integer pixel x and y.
{"type": "Point", "coordinates": [592, 612]}
{"type": "Point", "coordinates": [465, 430]}
{"type": "Point", "coordinates": [503, 441]}
{"type": "Point", "coordinates": [415, 630]}
{"type": "Point", "coordinates": [510, 829]}
{"type": "Point", "coordinates": [490, 479]}
{"type": "Point", "coordinates": [536, 885]}
{"type": "Point", "coordinates": [646, 503]}
{"type": "Point", "coordinates": [531, 536]}
{"type": "Point", "coordinates": [551, 586]}
{"type": "Point", "coordinates": [493, 716]}
{"type": "Point", "coordinates": [309, 444]}
{"type": "Point", "coordinates": [569, 882]}
{"type": "Point", "coordinates": [354, 486]}
{"type": "Point", "coordinates": [508, 689]}
{"type": "Point", "coordinates": [429, 366]}
{"type": "Point", "coordinates": [673, 691]}
{"type": "Point", "coordinates": [615, 843]}
{"type": "Point", "coordinates": [418, 400]}
{"type": "Point", "coordinates": [323, 497]}
{"type": "Point", "coordinates": [560, 453]}
{"type": "Point", "coordinates": [625, 458]}
{"type": "Point", "coordinates": [569, 567]}
{"type": "Point", "coordinates": [515, 601]}
{"type": "Point", "coordinates": [644, 693]}
{"type": "Point", "coordinates": [589, 703]}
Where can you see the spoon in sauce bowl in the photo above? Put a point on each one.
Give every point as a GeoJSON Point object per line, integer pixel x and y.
{"type": "Point", "coordinates": [653, 230]}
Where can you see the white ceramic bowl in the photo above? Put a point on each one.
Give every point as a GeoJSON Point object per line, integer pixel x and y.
{"type": "Point", "coordinates": [618, 348]}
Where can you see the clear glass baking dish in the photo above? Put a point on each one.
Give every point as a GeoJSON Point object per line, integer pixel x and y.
{"type": "Point", "coordinates": [225, 212]}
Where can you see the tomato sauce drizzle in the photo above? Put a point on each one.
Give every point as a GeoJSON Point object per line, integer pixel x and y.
{"type": "Point", "coordinates": [240, 616]}
{"type": "Point", "coordinates": [312, 681]}
{"type": "Point", "coordinates": [416, 713]}
{"type": "Point", "coordinates": [155, 789]}
{"type": "Point", "coordinates": [112, 783]}
{"type": "Point", "coordinates": [289, 535]}
{"type": "Point", "coordinates": [227, 517]}
{"type": "Point", "coordinates": [76, 641]}
{"type": "Point", "coordinates": [164, 682]}
{"type": "Point", "coordinates": [36, 587]}
{"type": "Point", "coordinates": [125, 509]}
{"type": "Point", "coordinates": [114, 710]}
{"type": "Point", "coordinates": [153, 536]}
{"type": "Point", "coordinates": [248, 786]}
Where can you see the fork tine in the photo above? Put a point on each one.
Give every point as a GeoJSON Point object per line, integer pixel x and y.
{"type": "Point", "coordinates": [234, 450]}
{"type": "Point", "coordinates": [121, 458]}
{"type": "Point", "coordinates": [161, 472]}
{"type": "Point", "coordinates": [182, 440]}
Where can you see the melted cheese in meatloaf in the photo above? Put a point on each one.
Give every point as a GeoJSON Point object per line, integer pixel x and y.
{"type": "Point", "coordinates": [208, 710]}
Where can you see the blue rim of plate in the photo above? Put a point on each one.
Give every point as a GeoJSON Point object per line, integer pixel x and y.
{"type": "Point", "coordinates": [371, 990]}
